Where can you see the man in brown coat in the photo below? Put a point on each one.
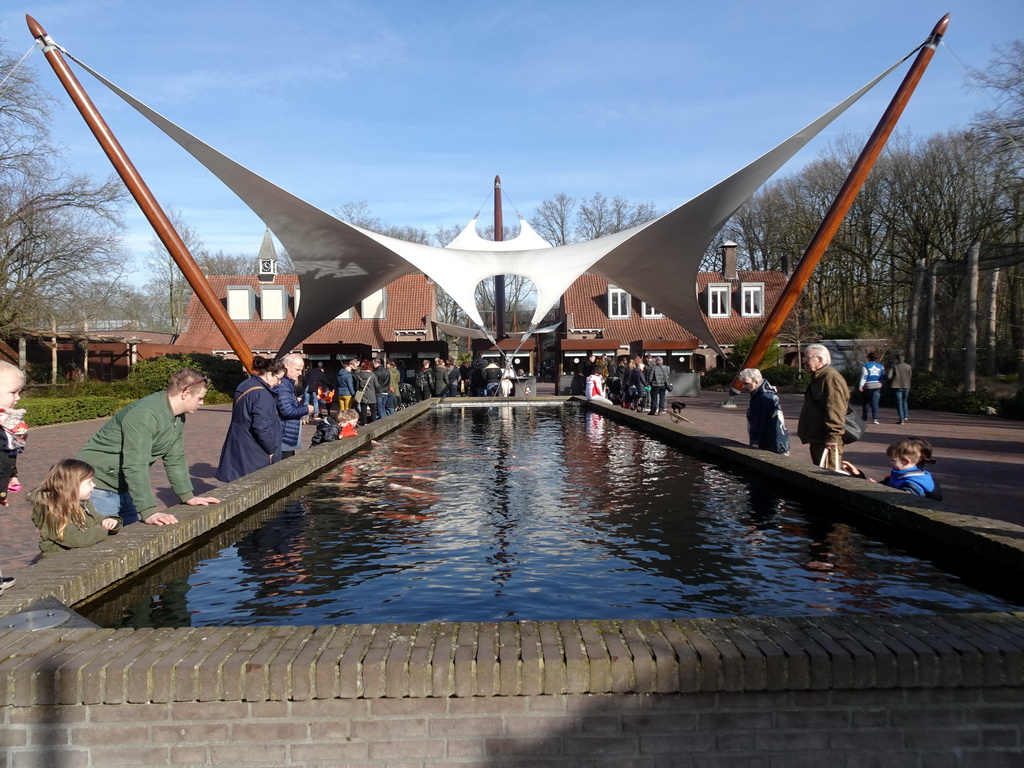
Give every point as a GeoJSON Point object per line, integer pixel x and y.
{"type": "Point", "coordinates": [823, 416]}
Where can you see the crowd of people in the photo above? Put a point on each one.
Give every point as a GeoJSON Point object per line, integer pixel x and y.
{"type": "Point", "coordinates": [637, 383]}
{"type": "Point", "coordinates": [84, 499]}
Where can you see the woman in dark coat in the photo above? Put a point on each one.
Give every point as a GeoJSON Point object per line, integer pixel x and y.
{"type": "Point", "coordinates": [766, 426]}
{"type": "Point", "coordinates": [254, 437]}
{"type": "Point", "coordinates": [367, 384]}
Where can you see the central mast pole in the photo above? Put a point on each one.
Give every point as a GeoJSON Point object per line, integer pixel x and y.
{"type": "Point", "coordinates": [499, 280]}
{"type": "Point", "coordinates": [147, 202]}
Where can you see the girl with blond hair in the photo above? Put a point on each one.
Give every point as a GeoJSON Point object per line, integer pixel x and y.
{"type": "Point", "coordinates": [63, 513]}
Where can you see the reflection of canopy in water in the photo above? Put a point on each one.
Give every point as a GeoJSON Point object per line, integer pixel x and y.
{"type": "Point", "coordinates": [339, 264]}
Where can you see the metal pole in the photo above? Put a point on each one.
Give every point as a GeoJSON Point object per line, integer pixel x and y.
{"type": "Point", "coordinates": [499, 280]}
{"type": "Point", "coordinates": [147, 202]}
{"type": "Point", "coordinates": [841, 205]}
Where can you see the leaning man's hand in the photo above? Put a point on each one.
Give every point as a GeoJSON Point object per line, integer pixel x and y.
{"type": "Point", "coordinates": [161, 518]}
{"type": "Point", "coordinates": [202, 501]}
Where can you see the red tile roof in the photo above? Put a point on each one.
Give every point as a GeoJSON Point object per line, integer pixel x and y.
{"type": "Point", "coordinates": [586, 302]}
{"type": "Point", "coordinates": [410, 300]}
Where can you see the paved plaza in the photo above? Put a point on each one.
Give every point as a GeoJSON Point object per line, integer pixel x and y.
{"type": "Point", "coordinates": [980, 458]}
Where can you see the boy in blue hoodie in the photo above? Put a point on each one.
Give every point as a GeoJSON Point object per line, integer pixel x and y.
{"type": "Point", "coordinates": [908, 458]}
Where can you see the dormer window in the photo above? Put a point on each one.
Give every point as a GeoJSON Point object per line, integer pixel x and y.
{"type": "Point", "coordinates": [618, 302]}
{"type": "Point", "coordinates": [718, 300]}
{"type": "Point", "coordinates": [374, 306]}
{"type": "Point", "coordinates": [241, 303]}
{"type": "Point", "coordinates": [273, 303]}
{"type": "Point", "coordinates": [752, 300]}
{"type": "Point", "coordinates": [649, 312]}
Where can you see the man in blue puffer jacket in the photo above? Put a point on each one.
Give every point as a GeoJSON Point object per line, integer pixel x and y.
{"type": "Point", "coordinates": [289, 405]}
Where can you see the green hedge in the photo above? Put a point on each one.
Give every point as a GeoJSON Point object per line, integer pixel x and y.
{"type": "Point", "coordinates": [83, 400]}
{"type": "Point", "coordinates": [40, 411]}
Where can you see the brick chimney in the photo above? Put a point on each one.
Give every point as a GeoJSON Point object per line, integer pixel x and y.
{"type": "Point", "coordinates": [729, 260]}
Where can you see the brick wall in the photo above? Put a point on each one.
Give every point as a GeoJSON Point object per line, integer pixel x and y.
{"type": "Point", "coordinates": [959, 728]}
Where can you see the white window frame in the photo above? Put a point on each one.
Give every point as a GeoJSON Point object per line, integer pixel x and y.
{"type": "Point", "coordinates": [724, 292]}
{"type": "Point", "coordinates": [346, 315]}
{"type": "Point", "coordinates": [751, 290]}
{"type": "Point", "coordinates": [621, 298]}
{"type": "Point", "coordinates": [241, 301]}
{"type": "Point", "coordinates": [649, 312]}
{"type": "Point", "coordinates": [274, 303]}
{"type": "Point", "coordinates": [374, 306]}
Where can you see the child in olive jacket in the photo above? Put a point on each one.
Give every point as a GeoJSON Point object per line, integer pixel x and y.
{"type": "Point", "coordinates": [63, 513]}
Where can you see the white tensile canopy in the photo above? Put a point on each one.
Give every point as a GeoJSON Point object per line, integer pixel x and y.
{"type": "Point", "coordinates": [339, 264]}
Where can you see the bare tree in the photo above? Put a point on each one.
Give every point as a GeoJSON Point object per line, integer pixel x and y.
{"type": "Point", "coordinates": [444, 235]}
{"type": "Point", "coordinates": [168, 287]}
{"type": "Point", "coordinates": [359, 213]}
{"type": "Point", "coordinates": [553, 219]}
{"type": "Point", "coordinates": [56, 227]}
{"type": "Point", "coordinates": [1003, 81]}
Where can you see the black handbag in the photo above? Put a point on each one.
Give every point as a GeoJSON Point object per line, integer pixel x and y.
{"type": "Point", "coordinates": [855, 427]}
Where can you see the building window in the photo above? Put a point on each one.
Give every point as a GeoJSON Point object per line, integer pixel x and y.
{"type": "Point", "coordinates": [646, 310]}
{"type": "Point", "coordinates": [753, 300]}
{"type": "Point", "coordinates": [718, 300]}
{"type": "Point", "coordinates": [241, 303]}
{"type": "Point", "coordinates": [374, 306]}
{"type": "Point", "coordinates": [618, 302]}
{"type": "Point", "coordinates": [274, 303]}
{"type": "Point", "coordinates": [346, 315]}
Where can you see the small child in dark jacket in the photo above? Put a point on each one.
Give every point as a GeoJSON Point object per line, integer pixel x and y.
{"type": "Point", "coordinates": [908, 458]}
{"type": "Point", "coordinates": [63, 513]}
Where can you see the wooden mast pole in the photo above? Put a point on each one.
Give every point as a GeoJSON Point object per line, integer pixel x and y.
{"type": "Point", "coordinates": [147, 202]}
{"type": "Point", "coordinates": [841, 205]}
{"type": "Point", "coordinates": [499, 280]}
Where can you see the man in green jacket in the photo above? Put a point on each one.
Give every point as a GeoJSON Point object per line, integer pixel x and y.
{"type": "Point", "coordinates": [823, 416]}
{"type": "Point", "coordinates": [135, 437]}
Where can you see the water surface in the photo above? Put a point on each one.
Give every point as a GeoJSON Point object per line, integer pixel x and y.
{"type": "Point", "coordinates": [543, 513]}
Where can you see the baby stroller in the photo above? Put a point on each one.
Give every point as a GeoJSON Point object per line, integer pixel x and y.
{"type": "Point", "coordinates": [406, 396]}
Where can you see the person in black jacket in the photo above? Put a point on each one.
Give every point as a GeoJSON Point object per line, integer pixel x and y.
{"type": "Point", "coordinates": [314, 383]}
{"type": "Point", "coordinates": [382, 383]}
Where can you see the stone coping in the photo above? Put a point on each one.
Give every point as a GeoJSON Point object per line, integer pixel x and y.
{"type": "Point", "coordinates": [69, 666]}
{"type": "Point", "coordinates": [106, 666]}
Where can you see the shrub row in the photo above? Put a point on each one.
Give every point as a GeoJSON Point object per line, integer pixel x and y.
{"type": "Point", "coordinates": [40, 411]}
{"type": "Point", "coordinates": [83, 400]}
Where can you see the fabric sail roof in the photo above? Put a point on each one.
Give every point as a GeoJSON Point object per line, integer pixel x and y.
{"type": "Point", "coordinates": [339, 264]}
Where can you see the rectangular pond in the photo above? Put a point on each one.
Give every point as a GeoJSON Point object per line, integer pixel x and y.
{"type": "Point", "coordinates": [538, 513]}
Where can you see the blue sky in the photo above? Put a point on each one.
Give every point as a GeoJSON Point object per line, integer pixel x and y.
{"type": "Point", "coordinates": [415, 106]}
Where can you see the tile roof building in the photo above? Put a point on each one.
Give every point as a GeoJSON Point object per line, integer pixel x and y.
{"type": "Point", "coordinates": [263, 307]}
{"type": "Point", "coordinates": [603, 319]}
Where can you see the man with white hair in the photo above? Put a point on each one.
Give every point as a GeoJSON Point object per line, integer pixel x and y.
{"type": "Point", "coordinates": [289, 404]}
{"type": "Point", "coordinates": [823, 416]}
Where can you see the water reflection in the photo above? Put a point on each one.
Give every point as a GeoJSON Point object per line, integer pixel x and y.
{"type": "Point", "coordinates": [533, 513]}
